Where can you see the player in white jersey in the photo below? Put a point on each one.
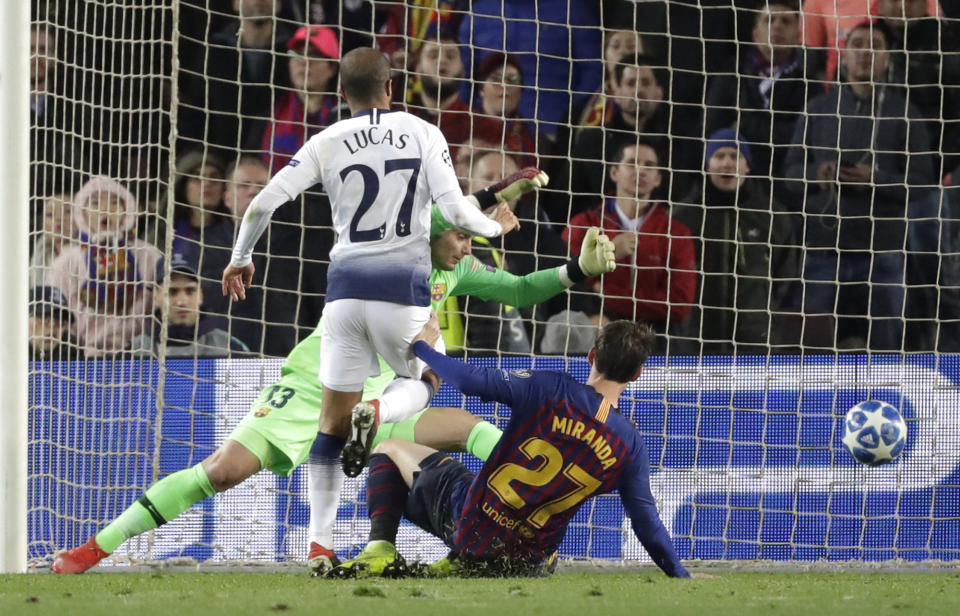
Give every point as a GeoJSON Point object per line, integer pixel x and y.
{"type": "Point", "coordinates": [382, 170]}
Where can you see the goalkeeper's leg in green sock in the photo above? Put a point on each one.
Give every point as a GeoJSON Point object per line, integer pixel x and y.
{"type": "Point", "coordinates": [445, 429]}
{"type": "Point", "coordinates": [229, 465]}
{"type": "Point", "coordinates": [482, 439]}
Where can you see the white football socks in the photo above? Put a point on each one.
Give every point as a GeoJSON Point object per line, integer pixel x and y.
{"type": "Point", "coordinates": [404, 398]}
{"type": "Point", "coordinates": [324, 483]}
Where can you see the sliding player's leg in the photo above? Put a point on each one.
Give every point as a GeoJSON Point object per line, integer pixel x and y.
{"type": "Point", "coordinates": [230, 464]}
{"type": "Point", "coordinates": [276, 434]}
{"type": "Point", "coordinates": [405, 397]}
{"type": "Point", "coordinates": [445, 429]}
{"type": "Point", "coordinates": [406, 478]}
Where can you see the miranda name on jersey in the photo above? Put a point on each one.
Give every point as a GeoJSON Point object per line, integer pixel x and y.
{"type": "Point", "coordinates": [373, 136]}
{"type": "Point", "coordinates": [592, 438]}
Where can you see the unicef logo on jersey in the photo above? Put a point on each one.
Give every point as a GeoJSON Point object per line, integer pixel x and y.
{"type": "Point", "coordinates": [522, 374]}
{"type": "Point", "coordinates": [293, 162]}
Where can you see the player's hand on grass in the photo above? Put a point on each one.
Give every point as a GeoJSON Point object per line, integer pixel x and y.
{"type": "Point", "coordinates": [236, 281]}
{"type": "Point", "coordinates": [504, 215]}
{"type": "Point", "coordinates": [430, 332]}
{"type": "Point", "coordinates": [520, 183]}
{"type": "Point", "coordinates": [597, 253]}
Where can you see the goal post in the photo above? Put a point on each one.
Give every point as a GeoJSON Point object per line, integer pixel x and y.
{"type": "Point", "coordinates": [14, 177]}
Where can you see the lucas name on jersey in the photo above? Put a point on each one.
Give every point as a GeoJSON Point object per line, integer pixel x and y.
{"type": "Point", "coordinates": [374, 135]}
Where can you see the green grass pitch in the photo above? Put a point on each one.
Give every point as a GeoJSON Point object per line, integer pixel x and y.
{"type": "Point", "coordinates": [820, 593]}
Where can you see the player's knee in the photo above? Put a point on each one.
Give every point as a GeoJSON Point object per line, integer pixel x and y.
{"type": "Point", "coordinates": [387, 447]}
{"type": "Point", "coordinates": [382, 447]}
{"type": "Point", "coordinates": [222, 474]}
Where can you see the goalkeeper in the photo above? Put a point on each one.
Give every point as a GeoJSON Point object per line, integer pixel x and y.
{"type": "Point", "coordinates": [279, 433]}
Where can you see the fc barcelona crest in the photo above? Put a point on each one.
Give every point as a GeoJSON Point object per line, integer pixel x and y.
{"type": "Point", "coordinates": [438, 291]}
{"type": "Point", "coordinates": [263, 412]}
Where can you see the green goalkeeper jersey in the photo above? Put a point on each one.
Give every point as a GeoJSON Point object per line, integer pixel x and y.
{"type": "Point", "coordinates": [469, 277]}
{"type": "Point", "coordinates": [282, 422]}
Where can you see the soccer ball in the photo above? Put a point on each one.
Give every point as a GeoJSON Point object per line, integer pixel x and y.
{"type": "Point", "coordinates": [874, 432]}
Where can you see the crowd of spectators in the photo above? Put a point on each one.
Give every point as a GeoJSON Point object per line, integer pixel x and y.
{"type": "Point", "coordinates": [774, 176]}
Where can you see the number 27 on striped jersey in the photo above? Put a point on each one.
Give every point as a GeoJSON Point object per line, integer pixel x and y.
{"type": "Point", "coordinates": [549, 468]}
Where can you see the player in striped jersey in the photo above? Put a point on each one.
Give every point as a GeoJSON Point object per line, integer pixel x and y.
{"type": "Point", "coordinates": [565, 442]}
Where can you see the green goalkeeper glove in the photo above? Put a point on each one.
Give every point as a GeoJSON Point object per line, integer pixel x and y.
{"type": "Point", "coordinates": [511, 187]}
{"type": "Point", "coordinates": [597, 254]}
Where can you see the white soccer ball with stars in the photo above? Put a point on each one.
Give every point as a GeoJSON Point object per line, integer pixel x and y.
{"type": "Point", "coordinates": [874, 432]}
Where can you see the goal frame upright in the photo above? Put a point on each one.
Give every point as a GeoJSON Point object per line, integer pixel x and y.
{"type": "Point", "coordinates": [14, 255]}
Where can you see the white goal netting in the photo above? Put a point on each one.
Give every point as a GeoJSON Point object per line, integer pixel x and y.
{"type": "Point", "coordinates": [781, 184]}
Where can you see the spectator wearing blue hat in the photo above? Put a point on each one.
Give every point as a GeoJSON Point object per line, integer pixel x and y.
{"type": "Point", "coordinates": [190, 332]}
{"type": "Point", "coordinates": [49, 326]}
{"type": "Point", "coordinates": [746, 252]}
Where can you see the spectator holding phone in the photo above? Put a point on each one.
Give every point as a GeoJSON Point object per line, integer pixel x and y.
{"type": "Point", "coordinates": [859, 156]}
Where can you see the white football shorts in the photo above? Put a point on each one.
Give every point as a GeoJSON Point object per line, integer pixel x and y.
{"type": "Point", "coordinates": [356, 330]}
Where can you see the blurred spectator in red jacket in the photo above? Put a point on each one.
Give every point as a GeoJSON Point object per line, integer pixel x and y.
{"type": "Point", "coordinates": [656, 276]}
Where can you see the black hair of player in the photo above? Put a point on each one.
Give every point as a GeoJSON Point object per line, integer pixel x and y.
{"type": "Point", "coordinates": [621, 349]}
{"type": "Point", "coordinates": [363, 73]}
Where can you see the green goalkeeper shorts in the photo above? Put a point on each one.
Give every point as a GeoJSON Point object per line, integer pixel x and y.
{"type": "Point", "coordinates": [282, 422]}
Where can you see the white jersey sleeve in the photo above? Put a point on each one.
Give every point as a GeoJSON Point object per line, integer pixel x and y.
{"type": "Point", "coordinates": [445, 189]}
{"type": "Point", "coordinates": [302, 172]}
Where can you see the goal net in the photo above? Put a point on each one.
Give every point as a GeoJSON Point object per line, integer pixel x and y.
{"type": "Point", "coordinates": [780, 186]}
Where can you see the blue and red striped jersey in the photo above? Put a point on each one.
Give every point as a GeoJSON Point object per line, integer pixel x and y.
{"type": "Point", "coordinates": [564, 443]}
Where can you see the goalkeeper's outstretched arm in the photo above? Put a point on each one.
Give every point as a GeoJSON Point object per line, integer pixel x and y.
{"type": "Point", "coordinates": [596, 258]}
